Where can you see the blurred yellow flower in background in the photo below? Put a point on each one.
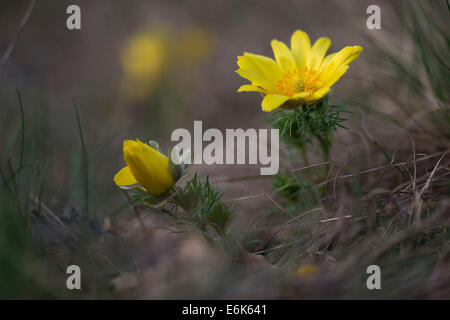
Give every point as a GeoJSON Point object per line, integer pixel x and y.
{"type": "Point", "coordinates": [301, 74]}
{"type": "Point", "coordinates": [144, 56]}
{"type": "Point", "coordinates": [307, 271]}
{"type": "Point", "coordinates": [158, 53]}
{"type": "Point", "coordinates": [147, 169]}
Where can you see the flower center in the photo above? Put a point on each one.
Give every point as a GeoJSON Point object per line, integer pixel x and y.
{"type": "Point", "coordinates": [297, 81]}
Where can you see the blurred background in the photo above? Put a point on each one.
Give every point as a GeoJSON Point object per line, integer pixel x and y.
{"type": "Point", "coordinates": [141, 69]}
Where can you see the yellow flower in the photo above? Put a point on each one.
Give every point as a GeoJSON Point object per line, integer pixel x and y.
{"type": "Point", "coordinates": [301, 74]}
{"type": "Point", "coordinates": [146, 167]}
{"type": "Point", "coordinates": [144, 56]}
{"type": "Point", "coordinates": [307, 271]}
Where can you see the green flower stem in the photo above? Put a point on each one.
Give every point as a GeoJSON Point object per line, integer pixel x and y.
{"type": "Point", "coordinates": [300, 127]}
{"type": "Point", "coordinates": [325, 144]}
{"type": "Point", "coordinates": [304, 153]}
{"type": "Point", "coordinates": [135, 209]}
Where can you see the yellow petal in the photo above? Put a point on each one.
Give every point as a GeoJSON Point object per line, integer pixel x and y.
{"type": "Point", "coordinates": [327, 60]}
{"type": "Point", "coordinates": [283, 55]}
{"type": "Point", "coordinates": [318, 51]}
{"type": "Point", "coordinates": [262, 70]}
{"type": "Point", "coordinates": [353, 55]}
{"type": "Point", "coordinates": [301, 95]}
{"type": "Point", "coordinates": [336, 76]}
{"type": "Point", "coordinates": [341, 58]}
{"type": "Point", "coordinates": [300, 98]}
{"type": "Point", "coordinates": [148, 166]}
{"type": "Point", "coordinates": [319, 93]}
{"type": "Point", "coordinates": [124, 177]}
{"type": "Point", "coordinates": [249, 87]}
{"type": "Point", "coordinates": [301, 47]}
{"type": "Point", "coordinates": [273, 101]}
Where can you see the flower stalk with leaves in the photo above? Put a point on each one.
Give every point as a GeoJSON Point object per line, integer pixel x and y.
{"type": "Point", "coordinates": [152, 177]}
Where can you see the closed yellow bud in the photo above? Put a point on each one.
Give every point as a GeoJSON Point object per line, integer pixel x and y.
{"type": "Point", "coordinates": [145, 166]}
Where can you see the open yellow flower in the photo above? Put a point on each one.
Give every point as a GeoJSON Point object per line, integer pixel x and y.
{"type": "Point", "coordinates": [146, 167]}
{"type": "Point", "coordinates": [301, 74]}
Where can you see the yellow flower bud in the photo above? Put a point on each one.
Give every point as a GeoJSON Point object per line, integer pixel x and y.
{"type": "Point", "coordinates": [145, 166]}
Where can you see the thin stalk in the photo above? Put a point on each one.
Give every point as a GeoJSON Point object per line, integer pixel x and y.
{"type": "Point", "coordinates": [22, 134]}
{"type": "Point", "coordinates": [85, 163]}
{"type": "Point", "coordinates": [325, 144]}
